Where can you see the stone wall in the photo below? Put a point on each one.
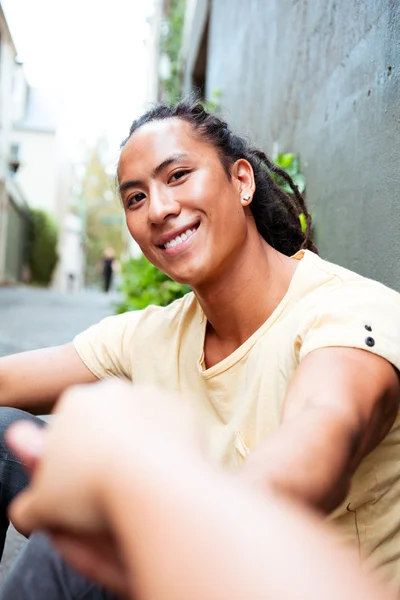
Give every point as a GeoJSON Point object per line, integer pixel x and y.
{"type": "Point", "coordinates": [322, 78]}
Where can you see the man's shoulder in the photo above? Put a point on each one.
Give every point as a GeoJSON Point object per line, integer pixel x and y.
{"type": "Point", "coordinates": [331, 279]}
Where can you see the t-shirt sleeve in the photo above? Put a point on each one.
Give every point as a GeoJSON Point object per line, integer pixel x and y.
{"type": "Point", "coordinates": [356, 314]}
{"type": "Point", "coordinates": [105, 348]}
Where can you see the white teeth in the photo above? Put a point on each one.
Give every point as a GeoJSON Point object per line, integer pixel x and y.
{"type": "Point", "coordinates": [179, 238]}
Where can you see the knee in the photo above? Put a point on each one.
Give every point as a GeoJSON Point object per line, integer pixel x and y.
{"type": "Point", "coordinates": [9, 415]}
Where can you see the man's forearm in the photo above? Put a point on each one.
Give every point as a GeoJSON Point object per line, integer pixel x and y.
{"type": "Point", "coordinates": [16, 392]}
{"type": "Point", "coordinates": [308, 458]}
{"type": "Point", "coordinates": [34, 380]}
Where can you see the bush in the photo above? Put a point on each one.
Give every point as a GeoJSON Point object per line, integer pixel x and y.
{"type": "Point", "coordinates": [290, 163]}
{"type": "Point", "coordinates": [143, 284]}
{"type": "Point", "coordinates": [43, 255]}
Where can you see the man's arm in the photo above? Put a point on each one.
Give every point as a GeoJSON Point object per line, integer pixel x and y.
{"type": "Point", "coordinates": [148, 513]}
{"type": "Point", "coordinates": [34, 380]}
{"type": "Point", "coordinates": [226, 543]}
{"type": "Point", "coordinates": [339, 406]}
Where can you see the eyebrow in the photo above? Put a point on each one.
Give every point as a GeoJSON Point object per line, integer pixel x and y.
{"type": "Point", "coordinates": [126, 185]}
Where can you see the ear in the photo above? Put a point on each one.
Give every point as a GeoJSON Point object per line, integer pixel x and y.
{"type": "Point", "coordinates": [243, 175]}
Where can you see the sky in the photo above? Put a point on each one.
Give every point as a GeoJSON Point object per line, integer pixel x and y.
{"type": "Point", "coordinates": [92, 53]}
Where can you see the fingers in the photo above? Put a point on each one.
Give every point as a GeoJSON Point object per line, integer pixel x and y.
{"type": "Point", "coordinates": [26, 440]}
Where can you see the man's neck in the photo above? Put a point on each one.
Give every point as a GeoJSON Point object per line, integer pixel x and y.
{"type": "Point", "coordinates": [240, 300]}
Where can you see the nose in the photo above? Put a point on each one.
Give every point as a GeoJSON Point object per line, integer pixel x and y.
{"type": "Point", "coordinates": [162, 204]}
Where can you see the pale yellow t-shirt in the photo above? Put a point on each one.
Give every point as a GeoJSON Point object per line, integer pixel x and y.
{"type": "Point", "coordinates": [239, 400]}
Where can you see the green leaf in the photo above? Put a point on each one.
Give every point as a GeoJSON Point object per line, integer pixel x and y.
{"type": "Point", "coordinates": [286, 187]}
{"type": "Point", "coordinates": [300, 181]}
{"type": "Point", "coordinates": [293, 168]}
{"type": "Point", "coordinates": [284, 160]}
{"type": "Point", "coordinates": [143, 284]}
{"type": "Point", "coordinates": [303, 222]}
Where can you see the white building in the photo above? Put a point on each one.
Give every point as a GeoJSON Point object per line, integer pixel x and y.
{"type": "Point", "coordinates": [44, 176]}
{"type": "Point", "coordinates": [33, 141]}
{"type": "Point", "coordinates": [13, 205]}
{"type": "Point", "coordinates": [34, 170]}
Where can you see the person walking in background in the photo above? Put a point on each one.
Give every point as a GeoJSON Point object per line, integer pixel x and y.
{"type": "Point", "coordinates": [108, 268]}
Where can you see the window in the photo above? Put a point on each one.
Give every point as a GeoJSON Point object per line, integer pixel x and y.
{"type": "Point", "coordinates": [14, 158]}
{"type": "Point", "coordinates": [14, 152]}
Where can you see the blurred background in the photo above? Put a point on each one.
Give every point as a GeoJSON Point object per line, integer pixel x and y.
{"type": "Point", "coordinates": [317, 87]}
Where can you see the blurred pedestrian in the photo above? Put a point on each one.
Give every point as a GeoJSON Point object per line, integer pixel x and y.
{"type": "Point", "coordinates": [108, 268]}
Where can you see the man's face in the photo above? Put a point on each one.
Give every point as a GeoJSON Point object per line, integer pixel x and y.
{"type": "Point", "coordinates": [180, 206]}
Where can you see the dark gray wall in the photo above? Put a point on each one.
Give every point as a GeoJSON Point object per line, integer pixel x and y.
{"type": "Point", "coordinates": [322, 78]}
{"type": "Point", "coordinates": [193, 35]}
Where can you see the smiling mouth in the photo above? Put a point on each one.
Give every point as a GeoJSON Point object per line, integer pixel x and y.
{"type": "Point", "coordinates": [182, 237]}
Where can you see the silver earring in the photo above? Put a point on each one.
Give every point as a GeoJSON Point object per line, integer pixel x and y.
{"type": "Point", "coordinates": [247, 198]}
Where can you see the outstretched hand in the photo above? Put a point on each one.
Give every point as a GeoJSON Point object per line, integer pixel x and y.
{"type": "Point", "coordinates": [100, 434]}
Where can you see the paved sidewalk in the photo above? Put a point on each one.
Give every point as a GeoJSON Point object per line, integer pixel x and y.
{"type": "Point", "coordinates": [34, 318]}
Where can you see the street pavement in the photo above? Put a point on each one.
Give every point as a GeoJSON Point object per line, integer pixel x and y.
{"type": "Point", "coordinates": [33, 318]}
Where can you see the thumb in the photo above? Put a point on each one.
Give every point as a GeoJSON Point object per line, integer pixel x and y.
{"type": "Point", "coordinates": [26, 440]}
{"type": "Point", "coordinates": [23, 512]}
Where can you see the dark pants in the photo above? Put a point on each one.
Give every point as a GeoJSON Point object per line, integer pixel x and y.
{"type": "Point", "coordinates": [39, 573]}
{"type": "Point", "coordinates": [107, 280]}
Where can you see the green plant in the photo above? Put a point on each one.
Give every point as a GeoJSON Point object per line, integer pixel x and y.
{"type": "Point", "coordinates": [290, 164]}
{"type": "Point", "coordinates": [144, 284]}
{"type": "Point", "coordinates": [214, 101]}
{"type": "Point", "coordinates": [43, 240]}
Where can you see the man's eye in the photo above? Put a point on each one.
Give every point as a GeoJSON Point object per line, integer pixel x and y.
{"type": "Point", "coordinates": [178, 174]}
{"type": "Point", "coordinates": [135, 199]}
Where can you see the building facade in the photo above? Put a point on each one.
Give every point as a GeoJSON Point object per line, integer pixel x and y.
{"type": "Point", "coordinates": [44, 177]}
{"type": "Point", "coordinates": [35, 172]}
{"type": "Point", "coordinates": [14, 210]}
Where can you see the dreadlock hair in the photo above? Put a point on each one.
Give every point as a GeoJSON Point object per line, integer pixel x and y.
{"type": "Point", "coordinates": [275, 212]}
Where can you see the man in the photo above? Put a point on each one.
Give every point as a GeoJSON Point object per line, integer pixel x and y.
{"type": "Point", "coordinates": [290, 361]}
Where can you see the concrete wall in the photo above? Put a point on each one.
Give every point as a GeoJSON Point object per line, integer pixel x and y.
{"type": "Point", "coordinates": [194, 38]}
{"type": "Point", "coordinates": [322, 78]}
